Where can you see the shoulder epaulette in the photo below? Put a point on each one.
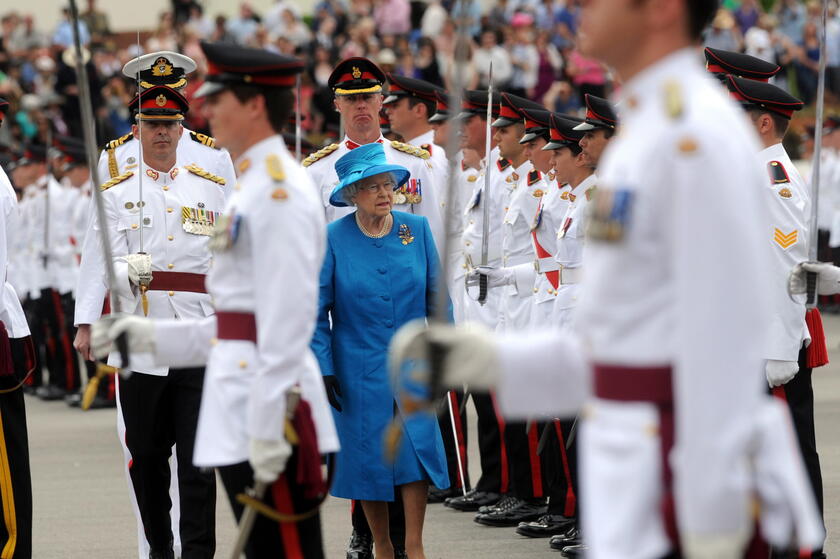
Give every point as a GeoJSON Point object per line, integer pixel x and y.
{"type": "Point", "coordinates": [427, 147]}
{"type": "Point", "coordinates": [534, 177]}
{"type": "Point", "coordinates": [116, 180]}
{"type": "Point", "coordinates": [274, 167]}
{"type": "Point", "coordinates": [320, 154]}
{"type": "Point", "coordinates": [673, 99]}
{"type": "Point", "coordinates": [196, 170]}
{"type": "Point", "coordinates": [204, 139]}
{"type": "Point", "coordinates": [503, 163]}
{"type": "Point", "coordinates": [411, 150]}
{"type": "Point", "coordinates": [777, 171]}
{"type": "Point", "coordinates": [118, 142]}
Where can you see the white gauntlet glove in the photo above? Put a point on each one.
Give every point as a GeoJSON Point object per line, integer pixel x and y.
{"type": "Point", "coordinates": [470, 352]}
{"type": "Point", "coordinates": [828, 278]}
{"type": "Point", "coordinates": [496, 277]}
{"type": "Point", "coordinates": [268, 458]}
{"type": "Point", "coordinates": [139, 268]}
{"type": "Point", "coordinates": [780, 372]}
{"type": "Point", "coordinates": [139, 331]}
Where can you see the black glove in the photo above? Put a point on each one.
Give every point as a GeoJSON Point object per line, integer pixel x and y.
{"type": "Point", "coordinates": [333, 391]}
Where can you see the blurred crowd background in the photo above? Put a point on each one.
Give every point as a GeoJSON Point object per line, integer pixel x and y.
{"type": "Point", "coordinates": [530, 42]}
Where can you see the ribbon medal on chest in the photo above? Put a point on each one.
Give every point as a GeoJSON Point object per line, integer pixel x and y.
{"type": "Point", "coordinates": [225, 232]}
{"type": "Point", "coordinates": [610, 212]}
{"type": "Point", "coordinates": [198, 221]}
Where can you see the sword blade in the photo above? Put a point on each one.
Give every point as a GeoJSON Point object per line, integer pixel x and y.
{"type": "Point", "coordinates": [246, 522]}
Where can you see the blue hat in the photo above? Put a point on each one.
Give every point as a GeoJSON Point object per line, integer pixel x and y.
{"type": "Point", "coordinates": [363, 162]}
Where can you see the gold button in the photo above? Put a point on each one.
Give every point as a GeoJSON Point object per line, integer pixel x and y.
{"type": "Point", "coordinates": [170, 237]}
{"type": "Point", "coordinates": [468, 243]}
{"type": "Point", "coordinates": [169, 210]}
{"type": "Point", "coordinates": [166, 188]}
{"type": "Point", "coordinates": [214, 341]}
{"type": "Point", "coordinates": [535, 290]}
{"type": "Point", "coordinates": [170, 266]}
{"type": "Point", "coordinates": [134, 226]}
{"type": "Point", "coordinates": [243, 364]}
{"type": "Point", "coordinates": [472, 222]}
{"type": "Point", "coordinates": [464, 266]}
{"type": "Point", "coordinates": [171, 293]}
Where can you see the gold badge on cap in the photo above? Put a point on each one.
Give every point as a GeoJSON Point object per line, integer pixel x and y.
{"type": "Point", "coordinates": [356, 73]}
{"type": "Point", "coordinates": [160, 100]}
{"type": "Point", "coordinates": [162, 67]}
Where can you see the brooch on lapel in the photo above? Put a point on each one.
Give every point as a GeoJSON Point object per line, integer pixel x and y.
{"type": "Point", "coordinates": [405, 234]}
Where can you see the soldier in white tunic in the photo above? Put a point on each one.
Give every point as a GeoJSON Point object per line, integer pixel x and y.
{"type": "Point", "coordinates": [264, 282]}
{"type": "Point", "coordinates": [671, 328]}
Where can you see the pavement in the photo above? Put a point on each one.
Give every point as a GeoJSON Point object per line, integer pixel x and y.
{"type": "Point", "coordinates": [82, 508]}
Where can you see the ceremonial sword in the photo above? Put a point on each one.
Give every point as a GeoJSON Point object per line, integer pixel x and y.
{"type": "Point", "coordinates": [45, 256]}
{"type": "Point", "coordinates": [90, 148]}
{"type": "Point", "coordinates": [297, 120]}
{"type": "Point", "coordinates": [813, 233]}
{"type": "Point", "coordinates": [485, 204]}
{"type": "Point", "coordinates": [144, 283]}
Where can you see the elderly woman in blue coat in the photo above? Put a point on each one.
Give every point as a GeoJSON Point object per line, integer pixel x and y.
{"type": "Point", "coordinates": [379, 272]}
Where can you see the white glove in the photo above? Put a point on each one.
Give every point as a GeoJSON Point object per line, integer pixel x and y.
{"type": "Point", "coordinates": [717, 546]}
{"type": "Point", "coordinates": [471, 356]}
{"type": "Point", "coordinates": [780, 372]}
{"type": "Point", "coordinates": [828, 278]}
{"type": "Point", "coordinates": [139, 331]}
{"type": "Point", "coordinates": [496, 277]}
{"type": "Point", "coordinates": [139, 268]}
{"type": "Point", "coordinates": [268, 458]}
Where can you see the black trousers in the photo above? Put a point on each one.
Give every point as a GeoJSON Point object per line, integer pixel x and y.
{"type": "Point", "coordinates": [491, 447]}
{"type": "Point", "coordinates": [455, 442]}
{"type": "Point", "coordinates": [270, 540]}
{"type": "Point", "coordinates": [15, 479]}
{"type": "Point", "coordinates": [557, 468]}
{"type": "Point", "coordinates": [54, 339]}
{"type": "Point", "coordinates": [521, 441]}
{"type": "Point", "coordinates": [799, 393]}
{"type": "Point", "coordinates": [160, 411]}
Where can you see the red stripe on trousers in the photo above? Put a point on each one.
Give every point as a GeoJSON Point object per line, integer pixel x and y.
{"type": "Point", "coordinates": [288, 530]}
{"type": "Point", "coordinates": [536, 468]}
{"type": "Point", "coordinates": [65, 342]}
{"type": "Point", "coordinates": [459, 437]}
{"type": "Point", "coordinates": [504, 484]}
{"type": "Point", "coordinates": [571, 498]}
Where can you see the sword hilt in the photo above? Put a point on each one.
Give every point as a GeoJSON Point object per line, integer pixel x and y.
{"type": "Point", "coordinates": [482, 289]}
{"type": "Point", "coordinates": [811, 286]}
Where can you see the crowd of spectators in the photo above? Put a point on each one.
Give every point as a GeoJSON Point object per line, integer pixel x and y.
{"type": "Point", "coordinates": [529, 42]}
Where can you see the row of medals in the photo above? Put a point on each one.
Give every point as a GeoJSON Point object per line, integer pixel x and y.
{"type": "Point", "coordinates": [406, 198]}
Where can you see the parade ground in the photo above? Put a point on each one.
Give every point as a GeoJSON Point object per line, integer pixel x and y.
{"type": "Point", "coordinates": [82, 508]}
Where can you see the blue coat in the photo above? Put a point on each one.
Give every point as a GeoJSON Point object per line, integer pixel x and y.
{"type": "Point", "coordinates": [369, 288]}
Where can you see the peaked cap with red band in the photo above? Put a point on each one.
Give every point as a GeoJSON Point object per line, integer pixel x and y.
{"type": "Point", "coordinates": [231, 64]}
{"type": "Point", "coordinates": [400, 86]}
{"type": "Point", "coordinates": [722, 62]}
{"type": "Point", "coordinates": [511, 110]}
{"type": "Point", "coordinates": [763, 96]}
{"type": "Point", "coordinates": [160, 103]}
{"type": "Point", "coordinates": [356, 76]}
{"type": "Point", "coordinates": [475, 103]}
{"type": "Point", "coordinates": [563, 132]}
{"type": "Point", "coordinates": [599, 114]}
{"type": "Point", "coordinates": [4, 108]}
{"type": "Point", "coordinates": [441, 107]}
{"type": "Point", "coordinates": [384, 122]}
{"type": "Point", "coordinates": [537, 123]}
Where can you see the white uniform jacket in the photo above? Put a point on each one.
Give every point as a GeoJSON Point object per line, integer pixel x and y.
{"type": "Point", "coordinates": [676, 275]}
{"type": "Point", "coordinates": [11, 313]}
{"type": "Point", "coordinates": [437, 157]}
{"type": "Point", "coordinates": [473, 231]}
{"type": "Point", "coordinates": [525, 187]}
{"type": "Point", "coordinates": [787, 199]}
{"type": "Point", "coordinates": [419, 196]}
{"type": "Point", "coordinates": [544, 227]}
{"type": "Point", "coordinates": [119, 156]}
{"type": "Point", "coordinates": [267, 261]}
{"type": "Point", "coordinates": [178, 217]}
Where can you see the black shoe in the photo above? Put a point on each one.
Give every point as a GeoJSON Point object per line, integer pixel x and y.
{"type": "Point", "coordinates": [504, 503]}
{"type": "Point", "coordinates": [473, 500]}
{"type": "Point", "coordinates": [545, 526]}
{"type": "Point", "coordinates": [360, 547]}
{"type": "Point", "coordinates": [520, 511]}
{"type": "Point", "coordinates": [572, 537]}
{"type": "Point", "coordinates": [29, 390]}
{"type": "Point", "coordinates": [100, 403]}
{"type": "Point", "coordinates": [440, 495]}
{"type": "Point", "coordinates": [74, 400]}
{"type": "Point", "coordinates": [50, 393]}
{"type": "Point", "coordinates": [574, 551]}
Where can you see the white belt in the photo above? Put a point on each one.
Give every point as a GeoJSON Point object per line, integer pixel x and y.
{"type": "Point", "coordinates": [569, 276]}
{"type": "Point", "coordinates": [511, 261]}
